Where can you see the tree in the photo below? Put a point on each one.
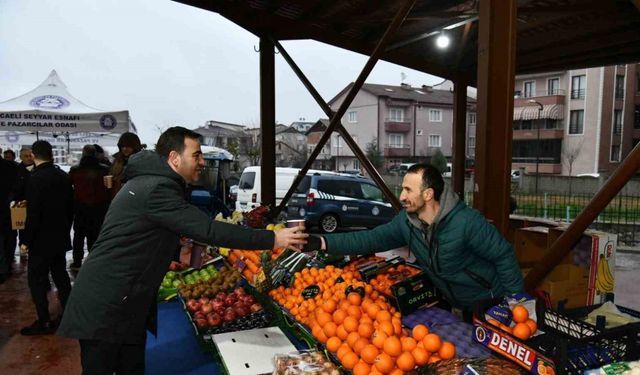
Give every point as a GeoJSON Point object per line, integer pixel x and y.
{"type": "Point", "coordinates": [374, 154]}
{"type": "Point", "coordinates": [570, 154]}
{"type": "Point", "coordinates": [439, 161]}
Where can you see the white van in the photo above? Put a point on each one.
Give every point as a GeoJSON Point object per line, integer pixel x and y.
{"type": "Point", "coordinates": [249, 196]}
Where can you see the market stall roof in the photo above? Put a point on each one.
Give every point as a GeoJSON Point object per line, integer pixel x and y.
{"type": "Point", "coordinates": [552, 35]}
{"type": "Point", "coordinates": [51, 108]}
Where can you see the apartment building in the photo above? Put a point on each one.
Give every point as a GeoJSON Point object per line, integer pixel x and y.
{"type": "Point", "coordinates": [577, 121]}
{"type": "Point", "coordinates": [408, 123]}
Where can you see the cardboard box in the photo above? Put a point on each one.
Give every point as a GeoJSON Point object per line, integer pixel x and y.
{"type": "Point", "coordinates": [414, 292]}
{"type": "Point", "coordinates": [18, 217]}
{"type": "Point", "coordinates": [567, 283]}
{"type": "Point", "coordinates": [531, 245]}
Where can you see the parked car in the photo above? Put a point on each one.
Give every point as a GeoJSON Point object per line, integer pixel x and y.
{"type": "Point", "coordinates": [400, 169]}
{"type": "Point", "coordinates": [333, 202]}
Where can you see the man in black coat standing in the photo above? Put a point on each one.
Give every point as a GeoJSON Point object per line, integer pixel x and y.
{"type": "Point", "coordinates": [8, 176]}
{"type": "Point", "coordinates": [113, 301]}
{"type": "Point", "coordinates": [47, 234]}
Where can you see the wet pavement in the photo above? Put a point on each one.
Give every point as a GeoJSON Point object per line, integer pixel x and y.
{"type": "Point", "coordinates": [627, 274]}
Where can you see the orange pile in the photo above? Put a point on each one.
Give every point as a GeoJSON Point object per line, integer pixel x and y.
{"type": "Point", "coordinates": [524, 327]}
{"type": "Point", "coordinates": [383, 281]}
{"type": "Point", "coordinates": [365, 333]}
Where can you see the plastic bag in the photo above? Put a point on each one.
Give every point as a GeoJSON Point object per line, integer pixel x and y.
{"type": "Point", "coordinates": [306, 362]}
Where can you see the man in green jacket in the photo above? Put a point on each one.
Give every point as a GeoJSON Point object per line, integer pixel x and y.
{"type": "Point", "coordinates": [465, 256]}
{"type": "Point", "coordinates": [112, 303]}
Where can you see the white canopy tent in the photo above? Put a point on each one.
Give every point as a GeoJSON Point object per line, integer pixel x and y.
{"type": "Point", "coordinates": [50, 112]}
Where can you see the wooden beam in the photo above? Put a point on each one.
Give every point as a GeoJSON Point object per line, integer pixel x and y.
{"type": "Point", "coordinates": [563, 245]}
{"type": "Point", "coordinates": [267, 123]}
{"type": "Point", "coordinates": [496, 76]}
{"type": "Point", "coordinates": [606, 56]}
{"type": "Point", "coordinates": [636, 3]}
{"type": "Point", "coordinates": [459, 137]}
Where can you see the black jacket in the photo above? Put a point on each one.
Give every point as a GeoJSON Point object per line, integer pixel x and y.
{"type": "Point", "coordinates": [8, 176]}
{"type": "Point", "coordinates": [114, 293]}
{"type": "Point", "coordinates": [49, 211]}
{"type": "Point", "coordinates": [20, 186]}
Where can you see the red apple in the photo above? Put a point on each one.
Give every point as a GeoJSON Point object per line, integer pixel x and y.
{"type": "Point", "coordinates": [229, 315]}
{"type": "Point", "coordinates": [248, 299]}
{"type": "Point", "coordinates": [193, 305]}
{"type": "Point", "coordinates": [201, 323]}
{"type": "Point", "coordinates": [242, 310]}
{"type": "Point", "coordinates": [214, 319]}
{"type": "Point", "coordinates": [240, 291]}
{"type": "Point", "coordinates": [206, 308]}
{"type": "Point", "coordinates": [199, 315]}
{"type": "Point", "coordinates": [221, 296]}
{"type": "Point", "coordinates": [217, 304]}
{"type": "Point", "coordinates": [203, 300]}
{"type": "Point", "coordinates": [231, 299]}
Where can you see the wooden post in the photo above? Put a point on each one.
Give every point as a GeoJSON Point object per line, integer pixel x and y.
{"type": "Point", "coordinates": [267, 122]}
{"type": "Point", "coordinates": [459, 137]}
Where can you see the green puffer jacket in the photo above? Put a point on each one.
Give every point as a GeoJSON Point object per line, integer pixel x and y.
{"type": "Point", "coordinates": [464, 255]}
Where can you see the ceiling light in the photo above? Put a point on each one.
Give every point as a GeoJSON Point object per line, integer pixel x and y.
{"type": "Point", "coordinates": [442, 41]}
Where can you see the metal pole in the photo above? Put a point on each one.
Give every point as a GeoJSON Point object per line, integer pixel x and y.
{"type": "Point", "coordinates": [267, 123]}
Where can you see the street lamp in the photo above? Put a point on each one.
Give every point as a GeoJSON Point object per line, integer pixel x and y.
{"type": "Point", "coordinates": [540, 106]}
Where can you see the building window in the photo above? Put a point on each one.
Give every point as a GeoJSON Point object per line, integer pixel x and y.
{"type": "Point", "coordinates": [550, 123]}
{"type": "Point", "coordinates": [619, 86]}
{"type": "Point", "coordinates": [617, 122]}
{"type": "Point", "coordinates": [526, 125]}
{"type": "Point", "coordinates": [636, 117]}
{"type": "Point", "coordinates": [472, 142]}
{"type": "Point", "coordinates": [576, 122]}
{"type": "Point", "coordinates": [615, 153]}
{"type": "Point", "coordinates": [356, 164]}
{"type": "Point", "coordinates": [396, 140]}
{"type": "Point", "coordinates": [419, 132]}
{"type": "Point", "coordinates": [516, 125]}
{"type": "Point", "coordinates": [517, 93]}
{"type": "Point", "coordinates": [545, 151]}
{"type": "Point", "coordinates": [435, 140]}
{"type": "Point", "coordinates": [396, 114]}
{"type": "Point", "coordinates": [578, 86]}
{"type": "Point", "coordinates": [435, 115]}
{"type": "Point", "coordinates": [352, 116]}
{"type": "Point", "coordinates": [529, 89]}
{"type": "Point", "coordinates": [553, 86]}
{"type": "Point", "coordinates": [472, 118]}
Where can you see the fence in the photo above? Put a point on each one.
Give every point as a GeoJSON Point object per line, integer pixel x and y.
{"type": "Point", "coordinates": [621, 216]}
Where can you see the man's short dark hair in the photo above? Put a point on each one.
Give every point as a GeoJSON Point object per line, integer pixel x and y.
{"type": "Point", "coordinates": [89, 150]}
{"type": "Point", "coordinates": [98, 148]}
{"type": "Point", "coordinates": [431, 178]}
{"type": "Point", "coordinates": [173, 140]}
{"type": "Point", "coordinates": [42, 150]}
{"type": "Point", "coordinates": [11, 152]}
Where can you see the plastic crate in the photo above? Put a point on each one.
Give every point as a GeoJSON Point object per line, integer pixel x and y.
{"type": "Point", "coordinates": [567, 346]}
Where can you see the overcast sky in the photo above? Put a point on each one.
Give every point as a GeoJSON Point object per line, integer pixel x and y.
{"type": "Point", "coordinates": [165, 62]}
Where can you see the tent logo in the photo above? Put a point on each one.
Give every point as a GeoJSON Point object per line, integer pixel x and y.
{"type": "Point", "coordinates": [12, 137]}
{"type": "Point", "coordinates": [49, 102]}
{"type": "Point", "coordinates": [108, 122]}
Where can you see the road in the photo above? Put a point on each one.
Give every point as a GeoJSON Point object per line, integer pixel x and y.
{"type": "Point", "coordinates": [627, 275]}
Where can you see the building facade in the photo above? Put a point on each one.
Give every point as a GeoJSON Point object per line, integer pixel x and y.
{"type": "Point", "coordinates": [578, 121]}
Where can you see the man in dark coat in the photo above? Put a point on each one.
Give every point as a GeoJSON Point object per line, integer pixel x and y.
{"type": "Point", "coordinates": [8, 176]}
{"type": "Point", "coordinates": [20, 188]}
{"type": "Point", "coordinates": [113, 301]}
{"type": "Point", "coordinates": [91, 201]}
{"type": "Point", "coordinates": [47, 234]}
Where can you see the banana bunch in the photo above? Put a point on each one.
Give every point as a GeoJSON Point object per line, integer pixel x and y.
{"type": "Point", "coordinates": [235, 218]}
{"type": "Point", "coordinates": [604, 278]}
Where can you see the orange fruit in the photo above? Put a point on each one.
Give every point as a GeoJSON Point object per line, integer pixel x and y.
{"type": "Point", "coordinates": [397, 325]}
{"type": "Point", "coordinates": [378, 338]}
{"type": "Point", "coordinates": [344, 349]}
{"type": "Point", "coordinates": [323, 318]}
{"type": "Point", "coordinates": [387, 328]}
{"type": "Point", "coordinates": [341, 332]}
{"type": "Point", "coordinates": [432, 342]}
{"type": "Point", "coordinates": [365, 330]}
{"type": "Point", "coordinates": [383, 316]}
{"type": "Point", "coordinates": [408, 344]}
{"type": "Point", "coordinates": [350, 360]}
{"type": "Point", "coordinates": [354, 299]}
{"type": "Point", "coordinates": [352, 338]}
{"type": "Point", "coordinates": [350, 324]}
{"type": "Point", "coordinates": [419, 332]}
{"type": "Point", "coordinates": [396, 371]}
{"type": "Point", "coordinates": [359, 345]}
{"type": "Point", "coordinates": [434, 358]}
{"type": "Point", "coordinates": [420, 356]}
{"type": "Point", "coordinates": [533, 326]}
{"type": "Point", "coordinates": [373, 310]}
{"type": "Point", "coordinates": [522, 331]}
{"type": "Point", "coordinates": [338, 316]}
{"type": "Point", "coordinates": [520, 314]}
{"type": "Point", "coordinates": [392, 346]}
{"type": "Point", "coordinates": [329, 306]}
{"type": "Point", "coordinates": [333, 344]}
{"type": "Point", "coordinates": [329, 329]}
{"type": "Point", "coordinates": [447, 350]}
{"type": "Point", "coordinates": [384, 363]}
{"type": "Point", "coordinates": [322, 337]}
{"type": "Point", "coordinates": [405, 362]}
{"type": "Point", "coordinates": [354, 311]}
{"type": "Point", "coordinates": [369, 353]}
{"type": "Point", "coordinates": [361, 368]}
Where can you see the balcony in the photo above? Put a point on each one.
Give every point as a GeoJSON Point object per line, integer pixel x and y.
{"type": "Point", "coordinates": [545, 97]}
{"type": "Point", "coordinates": [395, 150]}
{"type": "Point", "coordinates": [394, 126]}
{"type": "Point", "coordinates": [532, 134]}
{"type": "Point", "coordinates": [578, 94]}
{"type": "Point", "coordinates": [545, 165]}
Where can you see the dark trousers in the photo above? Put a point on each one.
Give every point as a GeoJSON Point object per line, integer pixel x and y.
{"type": "Point", "coordinates": [87, 222]}
{"type": "Point", "coordinates": [6, 251]}
{"type": "Point", "coordinates": [105, 358]}
{"type": "Point", "coordinates": [38, 278]}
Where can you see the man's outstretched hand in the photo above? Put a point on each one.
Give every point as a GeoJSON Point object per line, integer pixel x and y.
{"type": "Point", "coordinates": [290, 237]}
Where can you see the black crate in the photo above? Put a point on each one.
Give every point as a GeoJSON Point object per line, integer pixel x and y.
{"type": "Point", "coordinates": [568, 345]}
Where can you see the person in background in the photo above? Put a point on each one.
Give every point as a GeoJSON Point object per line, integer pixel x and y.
{"type": "Point", "coordinates": [9, 174]}
{"type": "Point", "coordinates": [47, 235]}
{"type": "Point", "coordinates": [128, 144]}
{"type": "Point", "coordinates": [102, 158]}
{"type": "Point", "coordinates": [464, 255]}
{"type": "Point", "coordinates": [19, 190]}
{"type": "Point", "coordinates": [91, 201]}
{"type": "Point", "coordinates": [9, 155]}
{"type": "Point", "coordinates": [113, 301]}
